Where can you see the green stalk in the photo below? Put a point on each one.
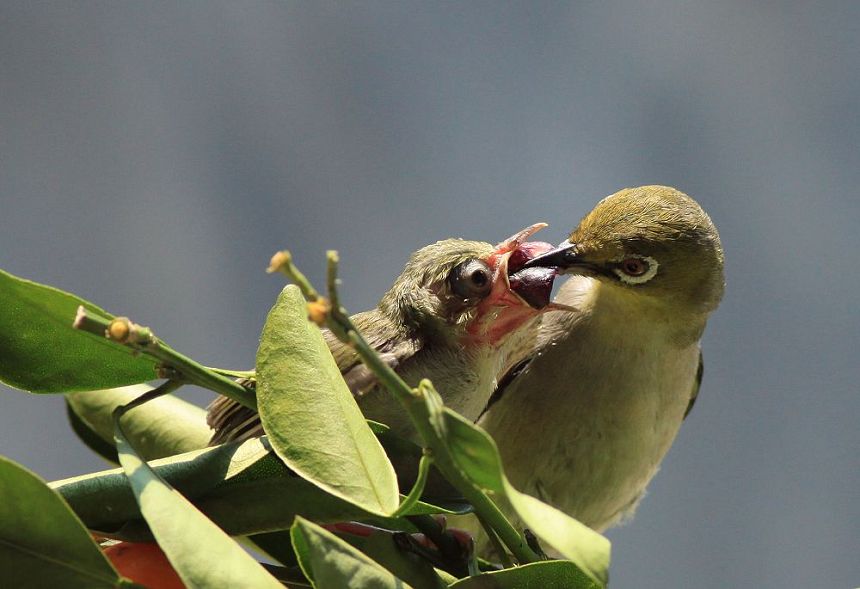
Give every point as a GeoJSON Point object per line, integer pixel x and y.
{"type": "Point", "coordinates": [124, 332]}
{"type": "Point", "coordinates": [417, 489]}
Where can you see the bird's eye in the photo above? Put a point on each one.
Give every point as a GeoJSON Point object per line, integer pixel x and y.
{"type": "Point", "coordinates": [635, 269]}
{"type": "Point", "coordinates": [634, 266]}
{"type": "Point", "coordinates": [471, 279]}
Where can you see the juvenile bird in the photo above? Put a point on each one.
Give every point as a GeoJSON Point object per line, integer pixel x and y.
{"type": "Point", "coordinates": [584, 420]}
{"type": "Point", "coordinates": [447, 317]}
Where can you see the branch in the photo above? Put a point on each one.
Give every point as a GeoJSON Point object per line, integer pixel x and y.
{"type": "Point", "coordinates": [123, 331]}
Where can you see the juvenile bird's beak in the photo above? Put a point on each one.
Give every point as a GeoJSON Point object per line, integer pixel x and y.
{"type": "Point", "coordinates": [519, 294]}
{"type": "Point", "coordinates": [514, 287]}
{"type": "Point", "coordinates": [562, 257]}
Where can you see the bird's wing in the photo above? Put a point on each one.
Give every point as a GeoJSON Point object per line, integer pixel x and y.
{"type": "Point", "coordinates": [696, 385]}
{"type": "Point", "coordinates": [232, 421]}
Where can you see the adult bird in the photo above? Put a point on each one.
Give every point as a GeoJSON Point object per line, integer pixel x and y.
{"type": "Point", "coordinates": [584, 420]}
{"type": "Point", "coordinates": [448, 317]}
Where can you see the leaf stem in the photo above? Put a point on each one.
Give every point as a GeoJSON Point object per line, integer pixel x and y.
{"type": "Point", "coordinates": [331, 277]}
{"type": "Point", "coordinates": [490, 512]}
{"type": "Point", "coordinates": [418, 488]}
{"type": "Point", "coordinates": [246, 374]}
{"type": "Point", "coordinates": [283, 262]}
{"type": "Point", "coordinates": [494, 540]}
{"type": "Point", "coordinates": [123, 331]}
{"type": "Point", "coordinates": [164, 388]}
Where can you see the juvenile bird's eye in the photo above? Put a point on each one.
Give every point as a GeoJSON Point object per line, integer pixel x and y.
{"type": "Point", "coordinates": [471, 279]}
{"type": "Point", "coordinates": [635, 269]}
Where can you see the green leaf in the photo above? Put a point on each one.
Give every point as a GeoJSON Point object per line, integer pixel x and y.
{"type": "Point", "coordinates": [475, 454]}
{"type": "Point", "coordinates": [414, 494]}
{"type": "Point", "coordinates": [405, 455]}
{"type": "Point", "coordinates": [162, 427]}
{"type": "Point", "coordinates": [202, 554]}
{"type": "Point", "coordinates": [89, 437]}
{"type": "Point", "coordinates": [244, 487]}
{"type": "Point", "coordinates": [311, 417]}
{"type": "Point", "coordinates": [589, 550]}
{"type": "Point", "coordinates": [42, 353]}
{"type": "Point", "coordinates": [42, 543]}
{"type": "Point", "coordinates": [413, 569]}
{"type": "Point", "coordinates": [169, 426]}
{"type": "Point", "coordinates": [555, 574]}
{"type": "Point", "coordinates": [104, 500]}
{"type": "Point", "coordinates": [277, 546]}
{"type": "Point", "coordinates": [331, 563]}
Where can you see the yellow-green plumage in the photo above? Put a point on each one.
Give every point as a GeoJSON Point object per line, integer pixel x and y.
{"type": "Point", "coordinates": [596, 402]}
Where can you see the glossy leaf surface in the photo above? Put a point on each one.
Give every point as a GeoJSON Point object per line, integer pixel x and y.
{"type": "Point", "coordinates": [162, 427]}
{"type": "Point", "coordinates": [243, 487]}
{"type": "Point", "coordinates": [331, 563]}
{"type": "Point", "coordinates": [310, 415]}
{"type": "Point", "coordinates": [42, 353]}
{"type": "Point", "coordinates": [203, 555]}
{"type": "Point", "coordinates": [557, 574]}
{"type": "Point", "coordinates": [42, 543]}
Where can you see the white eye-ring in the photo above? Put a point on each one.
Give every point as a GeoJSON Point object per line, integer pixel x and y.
{"type": "Point", "coordinates": [635, 269]}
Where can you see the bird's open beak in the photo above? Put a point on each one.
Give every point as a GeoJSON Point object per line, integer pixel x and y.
{"type": "Point", "coordinates": [519, 294]}
{"type": "Point", "coordinates": [512, 287]}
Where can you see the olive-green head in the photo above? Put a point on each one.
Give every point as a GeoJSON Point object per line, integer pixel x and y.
{"type": "Point", "coordinates": [469, 291]}
{"type": "Point", "coordinates": [652, 240]}
{"type": "Point", "coordinates": [440, 286]}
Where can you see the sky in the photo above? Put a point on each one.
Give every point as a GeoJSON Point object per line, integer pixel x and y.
{"type": "Point", "coordinates": [154, 156]}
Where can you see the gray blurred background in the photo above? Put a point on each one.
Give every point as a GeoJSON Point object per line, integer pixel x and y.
{"type": "Point", "coordinates": [154, 155]}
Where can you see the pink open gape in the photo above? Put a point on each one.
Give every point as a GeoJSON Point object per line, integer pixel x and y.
{"type": "Point", "coordinates": [518, 294]}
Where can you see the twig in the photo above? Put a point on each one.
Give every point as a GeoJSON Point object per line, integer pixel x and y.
{"type": "Point", "coordinates": [418, 488]}
{"type": "Point", "coordinates": [332, 282]}
{"type": "Point", "coordinates": [163, 389]}
{"type": "Point", "coordinates": [497, 544]}
{"type": "Point", "coordinates": [413, 401]}
{"type": "Point", "coordinates": [283, 262]}
{"type": "Point", "coordinates": [141, 339]}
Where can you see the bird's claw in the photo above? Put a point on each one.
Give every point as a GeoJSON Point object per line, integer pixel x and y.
{"type": "Point", "coordinates": [534, 544]}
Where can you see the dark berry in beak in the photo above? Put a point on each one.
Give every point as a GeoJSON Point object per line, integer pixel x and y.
{"type": "Point", "coordinates": [534, 285]}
